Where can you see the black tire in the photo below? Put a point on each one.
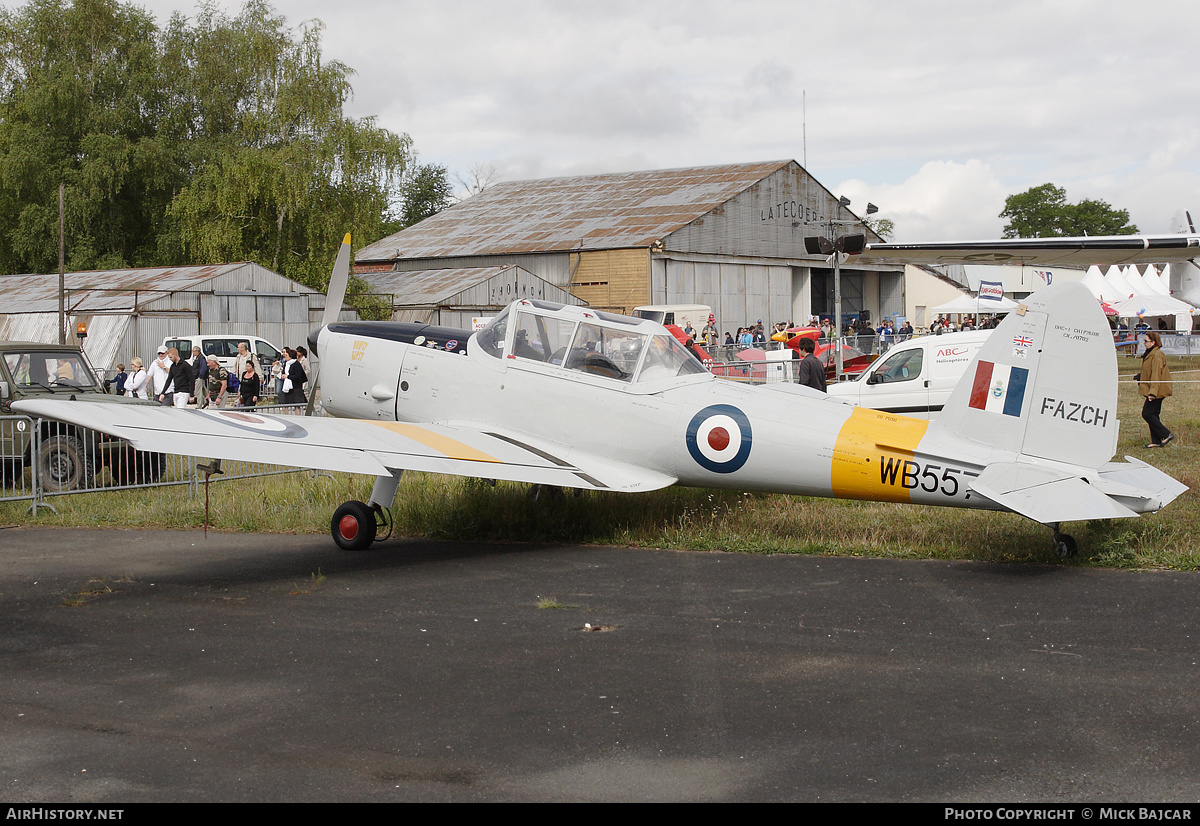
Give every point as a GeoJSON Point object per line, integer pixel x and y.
{"type": "Point", "coordinates": [12, 473]}
{"type": "Point", "coordinates": [1066, 546]}
{"type": "Point", "coordinates": [64, 464]}
{"type": "Point", "coordinates": [148, 467]}
{"type": "Point", "coordinates": [137, 467]}
{"type": "Point", "coordinates": [538, 492]}
{"type": "Point", "coordinates": [353, 526]}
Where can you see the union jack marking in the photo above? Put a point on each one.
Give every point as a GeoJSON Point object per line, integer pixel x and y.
{"type": "Point", "coordinates": [1023, 341]}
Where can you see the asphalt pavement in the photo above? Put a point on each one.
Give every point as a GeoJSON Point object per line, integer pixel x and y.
{"type": "Point", "coordinates": [170, 666]}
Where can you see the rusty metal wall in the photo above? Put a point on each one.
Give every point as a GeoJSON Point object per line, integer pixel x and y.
{"type": "Point", "coordinates": [769, 219]}
{"type": "Point", "coordinates": [739, 293]}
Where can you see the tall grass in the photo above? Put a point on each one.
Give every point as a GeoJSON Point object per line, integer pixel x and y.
{"type": "Point", "coordinates": [453, 508]}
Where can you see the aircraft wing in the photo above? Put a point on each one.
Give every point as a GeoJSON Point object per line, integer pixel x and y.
{"type": "Point", "coordinates": [1083, 252]}
{"type": "Point", "coordinates": [351, 445]}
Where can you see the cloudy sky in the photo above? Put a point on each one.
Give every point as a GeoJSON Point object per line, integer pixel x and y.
{"type": "Point", "coordinates": [935, 111]}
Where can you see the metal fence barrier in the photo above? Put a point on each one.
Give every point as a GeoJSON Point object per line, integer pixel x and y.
{"type": "Point", "coordinates": [15, 483]}
{"type": "Point", "coordinates": [865, 344]}
{"type": "Point", "coordinates": [42, 458]}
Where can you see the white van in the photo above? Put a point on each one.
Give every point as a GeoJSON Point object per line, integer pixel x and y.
{"type": "Point", "coordinates": [915, 377]}
{"type": "Point", "coordinates": [224, 347]}
{"type": "Point", "coordinates": [676, 314]}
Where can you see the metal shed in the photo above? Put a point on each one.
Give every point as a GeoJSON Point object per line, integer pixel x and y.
{"type": "Point", "coordinates": [129, 312]}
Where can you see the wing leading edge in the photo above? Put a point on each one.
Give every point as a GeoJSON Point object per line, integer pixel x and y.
{"type": "Point", "coordinates": [349, 445]}
{"type": "Point", "coordinates": [1099, 250]}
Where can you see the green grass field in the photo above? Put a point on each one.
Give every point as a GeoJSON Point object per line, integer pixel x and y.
{"type": "Point", "coordinates": [452, 508]}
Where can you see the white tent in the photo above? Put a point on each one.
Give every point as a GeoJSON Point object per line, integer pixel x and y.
{"type": "Point", "coordinates": [1094, 281]}
{"type": "Point", "coordinates": [1155, 282]}
{"type": "Point", "coordinates": [974, 304]}
{"type": "Point", "coordinates": [1152, 305]}
{"type": "Point", "coordinates": [1134, 279]}
{"type": "Point", "coordinates": [1121, 289]}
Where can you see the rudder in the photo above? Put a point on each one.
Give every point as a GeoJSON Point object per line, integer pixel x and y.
{"type": "Point", "coordinates": [1045, 383]}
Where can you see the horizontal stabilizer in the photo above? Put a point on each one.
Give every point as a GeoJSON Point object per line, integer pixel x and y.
{"type": "Point", "coordinates": [1044, 494]}
{"type": "Point", "coordinates": [1139, 485]}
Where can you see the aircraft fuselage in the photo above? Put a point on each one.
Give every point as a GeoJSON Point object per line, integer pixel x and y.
{"type": "Point", "coordinates": [704, 431]}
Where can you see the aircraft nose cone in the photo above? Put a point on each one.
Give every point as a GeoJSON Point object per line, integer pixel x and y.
{"type": "Point", "coordinates": [312, 338]}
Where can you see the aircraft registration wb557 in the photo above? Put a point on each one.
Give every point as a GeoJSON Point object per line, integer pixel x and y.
{"type": "Point", "coordinates": [574, 397]}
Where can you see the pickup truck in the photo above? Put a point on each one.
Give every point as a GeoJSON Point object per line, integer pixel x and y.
{"type": "Point", "coordinates": [68, 457]}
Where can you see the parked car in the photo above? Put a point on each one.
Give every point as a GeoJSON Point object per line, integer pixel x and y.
{"type": "Point", "coordinates": [67, 457]}
{"type": "Point", "coordinates": [225, 347]}
{"type": "Point", "coordinates": [915, 377]}
{"type": "Point", "coordinates": [696, 314]}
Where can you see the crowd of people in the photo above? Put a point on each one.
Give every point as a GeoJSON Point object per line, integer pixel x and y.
{"type": "Point", "coordinates": [200, 381]}
{"type": "Point", "coordinates": [879, 338]}
{"type": "Point", "coordinates": [758, 335]}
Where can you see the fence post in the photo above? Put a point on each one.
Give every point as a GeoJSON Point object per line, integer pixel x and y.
{"type": "Point", "coordinates": [35, 450]}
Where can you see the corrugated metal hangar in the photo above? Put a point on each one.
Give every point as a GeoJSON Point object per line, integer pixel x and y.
{"type": "Point", "coordinates": [453, 297]}
{"type": "Point", "coordinates": [129, 312]}
{"type": "Point", "coordinates": [731, 237]}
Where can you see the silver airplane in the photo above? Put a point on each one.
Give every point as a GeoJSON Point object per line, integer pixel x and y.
{"type": "Point", "coordinates": [574, 397]}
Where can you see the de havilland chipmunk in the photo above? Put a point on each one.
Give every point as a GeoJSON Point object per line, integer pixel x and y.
{"type": "Point", "coordinates": [574, 397]}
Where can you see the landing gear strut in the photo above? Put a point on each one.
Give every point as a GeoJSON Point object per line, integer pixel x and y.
{"type": "Point", "coordinates": [1064, 543]}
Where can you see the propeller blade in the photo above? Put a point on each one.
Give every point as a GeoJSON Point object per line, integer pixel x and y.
{"type": "Point", "coordinates": [339, 280]}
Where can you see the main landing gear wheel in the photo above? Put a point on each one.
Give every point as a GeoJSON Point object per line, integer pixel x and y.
{"type": "Point", "coordinates": [353, 526]}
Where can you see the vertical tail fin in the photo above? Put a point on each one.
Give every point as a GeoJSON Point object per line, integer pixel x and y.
{"type": "Point", "coordinates": [1045, 383]}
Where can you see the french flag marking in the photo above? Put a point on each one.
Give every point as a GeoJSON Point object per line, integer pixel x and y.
{"type": "Point", "coordinates": [999, 388]}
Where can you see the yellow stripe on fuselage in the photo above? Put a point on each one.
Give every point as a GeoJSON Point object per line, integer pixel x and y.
{"type": "Point", "coordinates": [870, 452]}
{"type": "Point", "coordinates": [442, 444]}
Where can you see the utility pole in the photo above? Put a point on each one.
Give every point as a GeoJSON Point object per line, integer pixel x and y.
{"type": "Point", "coordinates": [62, 274]}
{"type": "Point", "coordinates": [836, 249]}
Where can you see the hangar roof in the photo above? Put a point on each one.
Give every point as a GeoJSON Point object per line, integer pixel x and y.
{"type": "Point", "coordinates": [454, 286]}
{"type": "Point", "coordinates": [616, 211]}
{"type": "Point", "coordinates": [117, 290]}
{"type": "Point", "coordinates": [429, 286]}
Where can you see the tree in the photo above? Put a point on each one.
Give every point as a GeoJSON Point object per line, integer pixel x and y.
{"type": "Point", "coordinates": [476, 179]}
{"type": "Point", "coordinates": [80, 91]}
{"type": "Point", "coordinates": [210, 140]}
{"type": "Point", "coordinates": [424, 192]}
{"type": "Point", "coordinates": [883, 227]}
{"type": "Point", "coordinates": [281, 173]}
{"type": "Point", "coordinates": [1043, 211]}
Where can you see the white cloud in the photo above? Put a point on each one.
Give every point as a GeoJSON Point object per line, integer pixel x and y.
{"type": "Point", "coordinates": [943, 201]}
{"type": "Point", "coordinates": [922, 100]}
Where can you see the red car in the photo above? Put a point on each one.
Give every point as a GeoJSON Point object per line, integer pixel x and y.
{"type": "Point", "coordinates": [854, 362]}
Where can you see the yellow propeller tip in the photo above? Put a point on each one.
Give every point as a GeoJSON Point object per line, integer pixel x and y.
{"type": "Point", "coordinates": [346, 240]}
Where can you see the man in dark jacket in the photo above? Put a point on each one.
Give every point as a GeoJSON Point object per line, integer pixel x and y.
{"type": "Point", "coordinates": [200, 371]}
{"type": "Point", "coordinates": [181, 381]}
{"type": "Point", "coordinates": [810, 371]}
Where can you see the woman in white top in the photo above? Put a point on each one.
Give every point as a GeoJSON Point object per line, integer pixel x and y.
{"type": "Point", "coordinates": [135, 385]}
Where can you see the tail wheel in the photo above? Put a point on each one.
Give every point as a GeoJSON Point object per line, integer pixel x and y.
{"type": "Point", "coordinates": [353, 526]}
{"type": "Point", "coordinates": [1065, 545]}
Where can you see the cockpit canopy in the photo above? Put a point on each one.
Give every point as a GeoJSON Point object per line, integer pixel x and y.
{"type": "Point", "coordinates": [590, 341]}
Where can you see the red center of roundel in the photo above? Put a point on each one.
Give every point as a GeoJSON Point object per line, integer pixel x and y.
{"type": "Point", "coordinates": [718, 438]}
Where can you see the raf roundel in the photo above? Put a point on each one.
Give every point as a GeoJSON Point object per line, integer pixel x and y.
{"type": "Point", "coordinates": [719, 438]}
{"type": "Point", "coordinates": [255, 423]}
